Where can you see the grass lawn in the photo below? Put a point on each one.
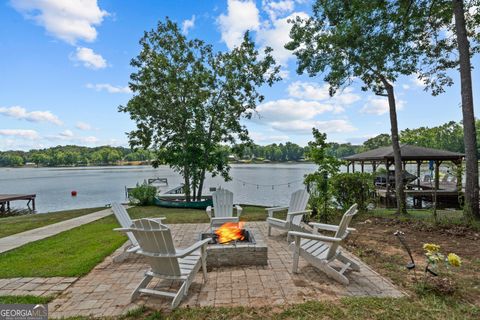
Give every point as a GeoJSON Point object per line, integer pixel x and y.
{"type": "Point", "coordinates": [24, 300]}
{"type": "Point", "coordinates": [75, 252]}
{"type": "Point", "coordinates": [347, 308]}
{"type": "Point", "coordinates": [17, 224]}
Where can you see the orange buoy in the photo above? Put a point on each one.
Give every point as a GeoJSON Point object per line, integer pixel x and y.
{"type": "Point", "coordinates": [74, 193]}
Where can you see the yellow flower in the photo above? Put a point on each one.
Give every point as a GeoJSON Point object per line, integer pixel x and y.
{"type": "Point", "coordinates": [454, 260]}
{"type": "Point", "coordinates": [431, 247]}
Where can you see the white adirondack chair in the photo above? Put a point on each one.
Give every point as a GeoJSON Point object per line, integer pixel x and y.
{"type": "Point", "coordinates": [124, 220]}
{"type": "Point", "coordinates": [296, 210]}
{"type": "Point", "coordinates": [166, 262]}
{"type": "Point", "coordinates": [320, 250]}
{"type": "Point", "coordinates": [222, 210]}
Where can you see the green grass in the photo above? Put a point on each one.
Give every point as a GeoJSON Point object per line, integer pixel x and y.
{"type": "Point", "coordinates": [67, 254]}
{"type": "Point", "coordinates": [25, 299]}
{"type": "Point", "coordinates": [75, 252]}
{"type": "Point", "coordinates": [17, 224]}
{"type": "Point", "coordinates": [347, 308]}
{"type": "Point", "coordinates": [250, 213]}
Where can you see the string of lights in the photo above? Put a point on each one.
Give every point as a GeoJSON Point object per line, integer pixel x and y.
{"type": "Point", "coordinates": [259, 185]}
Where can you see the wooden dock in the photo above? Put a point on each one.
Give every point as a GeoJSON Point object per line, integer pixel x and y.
{"type": "Point", "coordinates": [445, 196]}
{"type": "Point", "coordinates": [5, 200]}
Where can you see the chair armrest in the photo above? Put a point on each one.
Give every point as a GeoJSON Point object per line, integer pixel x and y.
{"type": "Point", "coordinates": [313, 236]}
{"type": "Point", "coordinates": [185, 252]}
{"type": "Point", "coordinates": [209, 211]}
{"type": "Point", "coordinates": [328, 227]}
{"type": "Point", "coordinates": [270, 211]}
{"type": "Point", "coordinates": [239, 210]}
{"type": "Point", "coordinates": [296, 213]}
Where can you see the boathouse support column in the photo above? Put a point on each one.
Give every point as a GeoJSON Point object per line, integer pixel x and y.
{"type": "Point", "coordinates": [363, 166]}
{"type": "Point", "coordinates": [374, 166]}
{"type": "Point", "coordinates": [387, 184]}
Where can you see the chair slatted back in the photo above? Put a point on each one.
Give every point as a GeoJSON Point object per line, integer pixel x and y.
{"type": "Point", "coordinates": [342, 229]}
{"type": "Point", "coordinates": [156, 238]}
{"type": "Point", "coordinates": [298, 202]}
{"type": "Point", "coordinates": [124, 219]}
{"type": "Point", "coordinates": [222, 203]}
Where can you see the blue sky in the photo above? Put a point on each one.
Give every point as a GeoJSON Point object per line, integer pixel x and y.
{"type": "Point", "coordinates": [65, 70]}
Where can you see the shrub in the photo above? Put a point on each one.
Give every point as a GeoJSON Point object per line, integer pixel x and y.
{"type": "Point", "coordinates": [350, 188]}
{"type": "Point", "coordinates": [143, 194]}
{"type": "Point", "coordinates": [321, 199]}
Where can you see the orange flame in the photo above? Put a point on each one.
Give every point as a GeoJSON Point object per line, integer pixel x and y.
{"type": "Point", "coordinates": [230, 231]}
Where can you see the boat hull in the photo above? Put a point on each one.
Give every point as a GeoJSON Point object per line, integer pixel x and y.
{"type": "Point", "coordinates": [168, 203]}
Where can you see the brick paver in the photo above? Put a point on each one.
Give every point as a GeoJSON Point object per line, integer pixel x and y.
{"type": "Point", "coordinates": [35, 286]}
{"type": "Point", "coordinates": [106, 290]}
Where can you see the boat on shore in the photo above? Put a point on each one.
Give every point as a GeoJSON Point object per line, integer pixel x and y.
{"type": "Point", "coordinates": [175, 198]}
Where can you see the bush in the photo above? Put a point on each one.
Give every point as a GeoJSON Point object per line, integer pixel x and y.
{"type": "Point", "coordinates": [143, 194]}
{"type": "Point", "coordinates": [350, 188]}
{"type": "Point", "coordinates": [321, 200]}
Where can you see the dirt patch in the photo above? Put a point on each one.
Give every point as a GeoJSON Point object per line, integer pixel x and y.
{"type": "Point", "coordinates": [375, 243]}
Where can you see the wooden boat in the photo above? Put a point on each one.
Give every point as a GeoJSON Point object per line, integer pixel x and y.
{"type": "Point", "coordinates": [175, 198]}
{"type": "Point", "coordinates": [166, 203]}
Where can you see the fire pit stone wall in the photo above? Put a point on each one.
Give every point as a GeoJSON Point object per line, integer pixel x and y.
{"type": "Point", "coordinates": [239, 253]}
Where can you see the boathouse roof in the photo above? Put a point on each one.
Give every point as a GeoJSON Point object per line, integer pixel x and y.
{"type": "Point", "coordinates": [408, 152]}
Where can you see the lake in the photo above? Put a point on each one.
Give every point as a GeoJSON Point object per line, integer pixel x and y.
{"type": "Point", "coordinates": [261, 184]}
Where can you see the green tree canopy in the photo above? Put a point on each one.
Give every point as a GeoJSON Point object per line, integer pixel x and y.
{"type": "Point", "coordinates": [188, 100]}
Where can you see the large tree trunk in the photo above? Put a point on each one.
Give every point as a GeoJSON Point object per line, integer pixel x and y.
{"type": "Point", "coordinates": [471, 209]}
{"type": "Point", "coordinates": [200, 185]}
{"type": "Point", "coordinates": [186, 185]}
{"type": "Point", "coordinates": [399, 187]}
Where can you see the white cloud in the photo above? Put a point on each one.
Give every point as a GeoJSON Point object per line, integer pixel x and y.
{"type": "Point", "coordinates": [305, 127]}
{"type": "Point", "coordinates": [21, 113]}
{"type": "Point", "coordinates": [68, 20]}
{"type": "Point", "coordinates": [315, 91]}
{"type": "Point", "coordinates": [69, 137]}
{"type": "Point", "coordinates": [241, 16]}
{"type": "Point", "coordinates": [308, 90]}
{"type": "Point", "coordinates": [405, 86]}
{"type": "Point", "coordinates": [188, 24]}
{"type": "Point", "coordinates": [278, 8]}
{"type": "Point", "coordinates": [108, 87]}
{"type": "Point", "coordinates": [299, 116]}
{"type": "Point", "coordinates": [89, 58]}
{"type": "Point", "coordinates": [66, 134]}
{"type": "Point", "coordinates": [89, 140]}
{"type": "Point", "coordinates": [379, 106]}
{"type": "Point", "coordinates": [83, 126]}
{"type": "Point", "coordinates": [263, 138]}
{"type": "Point", "coordinates": [20, 133]}
{"type": "Point", "coordinates": [277, 35]}
{"type": "Point", "coordinates": [291, 109]}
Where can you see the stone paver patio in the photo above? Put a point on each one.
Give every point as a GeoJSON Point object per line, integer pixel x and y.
{"type": "Point", "coordinates": [35, 286]}
{"type": "Point", "coordinates": [106, 290]}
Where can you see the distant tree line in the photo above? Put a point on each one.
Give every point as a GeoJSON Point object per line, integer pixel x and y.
{"type": "Point", "coordinates": [72, 156]}
{"type": "Point", "coordinates": [448, 136]}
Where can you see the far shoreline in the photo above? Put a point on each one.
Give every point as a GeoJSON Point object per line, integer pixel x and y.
{"type": "Point", "coordinates": [148, 164]}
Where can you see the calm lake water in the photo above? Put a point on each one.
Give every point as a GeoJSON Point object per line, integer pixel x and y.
{"type": "Point", "coordinates": [262, 184]}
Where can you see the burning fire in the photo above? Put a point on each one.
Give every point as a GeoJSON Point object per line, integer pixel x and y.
{"type": "Point", "coordinates": [230, 231]}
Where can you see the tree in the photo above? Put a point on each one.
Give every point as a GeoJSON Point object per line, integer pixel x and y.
{"type": "Point", "coordinates": [470, 139]}
{"type": "Point", "coordinates": [188, 101]}
{"type": "Point", "coordinates": [318, 182]}
{"type": "Point", "coordinates": [382, 140]}
{"type": "Point", "coordinates": [369, 40]}
{"type": "Point", "coordinates": [440, 38]}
